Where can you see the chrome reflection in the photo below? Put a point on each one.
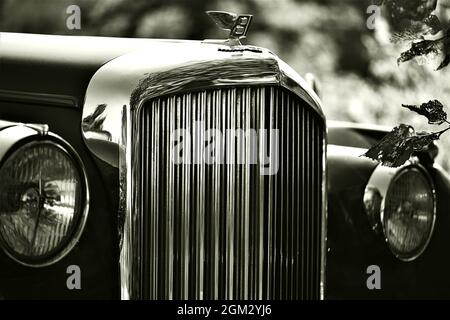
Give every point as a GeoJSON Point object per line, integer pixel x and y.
{"type": "Point", "coordinates": [372, 203]}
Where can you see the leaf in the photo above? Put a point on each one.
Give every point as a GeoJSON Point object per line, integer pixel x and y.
{"type": "Point", "coordinates": [444, 63]}
{"type": "Point", "coordinates": [421, 48]}
{"type": "Point", "coordinates": [397, 146]}
{"type": "Point", "coordinates": [410, 30]}
{"type": "Point", "coordinates": [432, 110]}
{"type": "Point", "coordinates": [434, 23]}
{"type": "Point", "coordinates": [391, 150]}
{"type": "Point", "coordinates": [422, 140]}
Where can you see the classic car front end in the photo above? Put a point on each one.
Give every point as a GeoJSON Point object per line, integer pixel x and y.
{"type": "Point", "coordinates": [163, 169]}
{"type": "Point", "coordinates": [142, 226]}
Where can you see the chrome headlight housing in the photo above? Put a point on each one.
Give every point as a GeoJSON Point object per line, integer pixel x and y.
{"type": "Point", "coordinates": [401, 204]}
{"type": "Point", "coordinates": [43, 200]}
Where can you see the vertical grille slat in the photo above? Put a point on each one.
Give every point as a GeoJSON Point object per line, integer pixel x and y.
{"type": "Point", "coordinates": [186, 198]}
{"type": "Point", "coordinates": [309, 207]}
{"type": "Point", "coordinates": [224, 230]}
{"type": "Point", "coordinates": [270, 206]}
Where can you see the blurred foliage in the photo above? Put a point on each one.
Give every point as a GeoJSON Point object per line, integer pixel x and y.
{"type": "Point", "coordinates": [415, 20]}
{"type": "Point", "coordinates": [360, 79]}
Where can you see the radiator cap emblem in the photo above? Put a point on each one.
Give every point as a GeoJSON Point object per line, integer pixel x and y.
{"type": "Point", "coordinates": [237, 24]}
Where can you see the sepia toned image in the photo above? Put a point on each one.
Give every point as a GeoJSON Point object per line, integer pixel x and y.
{"type": "Point", "coordinates": [247, 150]}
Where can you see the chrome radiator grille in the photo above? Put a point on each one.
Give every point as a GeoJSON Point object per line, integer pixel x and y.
{"type": "Point", "coordinates": [224, 231]}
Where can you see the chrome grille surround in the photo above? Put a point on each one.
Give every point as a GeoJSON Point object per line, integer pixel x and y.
{"type": "Point", "coordinates": [132, 87]}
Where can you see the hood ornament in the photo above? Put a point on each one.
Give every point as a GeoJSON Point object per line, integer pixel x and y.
{"type": "Point", "coordinates": [237, 24]}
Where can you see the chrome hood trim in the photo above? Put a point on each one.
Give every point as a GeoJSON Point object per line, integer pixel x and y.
{"type": "Point", "coordinates": [168, 67]}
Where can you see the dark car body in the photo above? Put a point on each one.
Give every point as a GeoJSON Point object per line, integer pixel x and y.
{"type": "Point", "coordinates": [61, 82]}
{"type": "Point", "coordinates": [353, 245]}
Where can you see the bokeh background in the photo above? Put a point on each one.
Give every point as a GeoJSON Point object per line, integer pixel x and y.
{"type": "Point", "coordinates": [357, 66]}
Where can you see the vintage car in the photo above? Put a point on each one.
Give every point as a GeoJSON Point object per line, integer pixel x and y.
{"type": "Point", "coordinates": [98, 179]}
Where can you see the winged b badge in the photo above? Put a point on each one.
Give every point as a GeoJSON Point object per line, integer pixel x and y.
{"type": "Point", "coordinates": [237, 24]}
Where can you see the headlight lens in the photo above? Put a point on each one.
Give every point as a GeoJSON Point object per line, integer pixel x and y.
{"type": "Point", "coordinates": [41, 201]}
{"type": "Point", "coordinates": [409, 213]}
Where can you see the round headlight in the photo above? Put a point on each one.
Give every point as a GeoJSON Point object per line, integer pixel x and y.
{"type": "Point", "coordinates": [409, 213]}
{"type": "Point", "coordinates": [42, 202]}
